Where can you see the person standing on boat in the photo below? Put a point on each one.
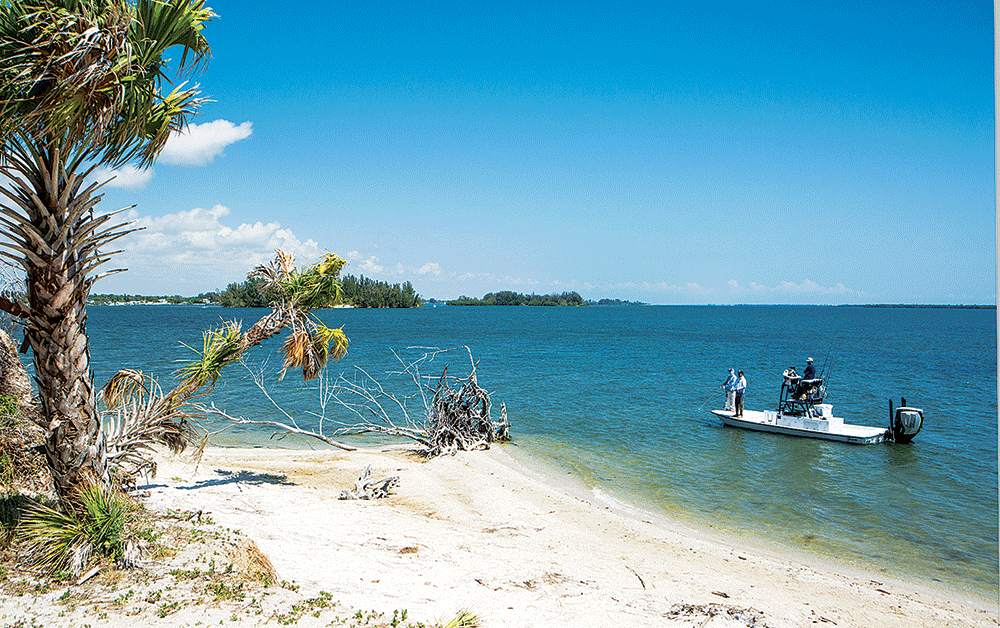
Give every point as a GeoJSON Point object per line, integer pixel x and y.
{"type": "Point", "coordinates": [741, 386]}
{"type": "Point", "coordinates": [810, 372]}
{"type": "Point", "coordinates": [730, 386]}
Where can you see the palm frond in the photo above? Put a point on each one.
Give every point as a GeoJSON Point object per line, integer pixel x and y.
{"type": "Point", "coordinates": [298, 349]}
{"type": "Point", "coordinates": [92, 73]}
{"type": "Point", "coordinates": [330, 343]}
{"type": "Point", "coordinates": [133, 429]}
{"type": "Point", "coordinates": [315, 286]}
{"type": "Point", "coordinates": [63, 540]}
{"type": "Point", "coordinates": [310, 347]}
{"type": "Point", "coordinates": [221, 347]}
{"type": "Point", "coordinates": [464, 619]}
{"type": "Point", "coordinates": [123, 388]}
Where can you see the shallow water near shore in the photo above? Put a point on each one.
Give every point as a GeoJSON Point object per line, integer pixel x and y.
{"type": "Point", "coordinates": [619, 398]}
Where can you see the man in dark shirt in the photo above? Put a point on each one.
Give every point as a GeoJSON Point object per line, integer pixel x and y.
{"type": "Point", "coordinates": [810, 372]}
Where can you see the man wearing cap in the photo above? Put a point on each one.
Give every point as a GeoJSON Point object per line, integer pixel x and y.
{"type": "Point", "coordinates": [730, 387]}
{"type": "Point", "coordinates": [810, 372]}
{"type": "Point", "coordinates": [741, 385]}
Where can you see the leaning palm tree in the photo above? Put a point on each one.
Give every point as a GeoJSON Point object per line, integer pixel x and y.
{"type": "Point", "coordinates": [83, 84]}
{"type": "Point", "coordinates": [140, 416]}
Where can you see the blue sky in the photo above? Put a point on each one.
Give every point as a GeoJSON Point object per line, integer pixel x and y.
{"type": "Point", "coordinates": [734, 153]}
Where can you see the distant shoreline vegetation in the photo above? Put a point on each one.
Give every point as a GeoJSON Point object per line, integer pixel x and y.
{"type": "Point", "coordinates": [507, 297]}
{"type": "Point", "coordinates": [205, 298]}
{"type": "Point", "coordinates": [923, 306]}
{"type": "Point", "coordinates": [355, 292]}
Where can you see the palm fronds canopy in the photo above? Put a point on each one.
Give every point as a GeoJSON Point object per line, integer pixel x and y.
{"type": "Point", "coordinates": [90, 73]}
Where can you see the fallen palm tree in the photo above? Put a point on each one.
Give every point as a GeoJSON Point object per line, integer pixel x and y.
{"type": "Point", "coordinates": [140, 416]}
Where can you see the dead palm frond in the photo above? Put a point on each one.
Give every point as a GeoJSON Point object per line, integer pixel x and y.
{"type": "Point", "coordinates": [134, 427]}
{"type": "Point", "coordinates": [299, 351]}
{"type": "Point", "coordinates": [123, 387]}
{"type": "Point", "coordinates": [311, 347]}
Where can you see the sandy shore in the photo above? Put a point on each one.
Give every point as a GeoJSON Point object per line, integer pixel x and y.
{"type": "Point", "coordinates": [474, 531]}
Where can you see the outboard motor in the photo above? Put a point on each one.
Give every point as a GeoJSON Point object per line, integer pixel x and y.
{"type": "Point", "coordinates": [905, 422]}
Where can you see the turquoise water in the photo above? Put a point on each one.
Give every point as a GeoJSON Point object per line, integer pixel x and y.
{"type": "Point", "coordinates": [620, 397]}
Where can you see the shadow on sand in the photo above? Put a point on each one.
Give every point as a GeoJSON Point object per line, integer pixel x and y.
{"type": "Point", "coordinates": [240, 477]}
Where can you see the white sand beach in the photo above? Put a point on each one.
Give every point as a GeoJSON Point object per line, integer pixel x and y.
{"type": "Point", "coordinates": [475, 531]}
{"type": "Point", "coordinates": [472, 531]}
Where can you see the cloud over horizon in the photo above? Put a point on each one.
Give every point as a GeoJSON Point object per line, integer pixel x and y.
{"type": "Point", "coordinates": [197, 247]}
{"type": "Point", "coordinates": [807, 286]}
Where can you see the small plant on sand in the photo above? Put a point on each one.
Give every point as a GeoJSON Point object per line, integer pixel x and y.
{"type": "Point", "coordinates": [464, 619]}
{"type": "Point", "coordinates": [166, 608]}
{"type": "Point", "coordinates": [66, 540]}
{"type": "Point", "coordinates": [8, 410]}
{"type": "Point", "coordinates": [222, 591]}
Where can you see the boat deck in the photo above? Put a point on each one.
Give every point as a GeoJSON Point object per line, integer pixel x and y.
{"type": "Point", "coordinates": [834, 429]}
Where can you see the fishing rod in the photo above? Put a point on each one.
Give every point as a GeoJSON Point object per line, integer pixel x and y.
{"type": "Point", "coordinates": [709, 398]}
{"type": "Point", "coordinates": [823, 375]}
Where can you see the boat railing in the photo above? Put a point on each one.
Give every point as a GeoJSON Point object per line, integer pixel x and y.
{"type": "Point", "coordinates": [799, 395]}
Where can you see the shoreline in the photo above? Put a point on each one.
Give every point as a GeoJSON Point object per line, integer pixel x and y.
{"type": "Point", "coordinates": [483, 531]}
{"type": "Point", "coordinates": [699, 528]}
{"type": "Point", "coordinates": [528, 462]}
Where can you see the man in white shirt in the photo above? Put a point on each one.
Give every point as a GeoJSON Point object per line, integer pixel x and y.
{"type": "Point", "coordinates": [730, 386]}
{"type": "Point", "coordinates": [741, 386]}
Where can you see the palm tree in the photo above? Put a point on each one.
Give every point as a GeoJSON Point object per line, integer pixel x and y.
{"type": "Point", "coordinates": [141, 415]}
{"type": "Point", "coordinates": [82, 85]}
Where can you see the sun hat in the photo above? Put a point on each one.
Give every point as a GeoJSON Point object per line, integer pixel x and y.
{"type": "Point", "coordinates": [809, 359]}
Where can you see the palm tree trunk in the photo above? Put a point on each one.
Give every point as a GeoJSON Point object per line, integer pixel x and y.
{"type": "Point", "coordinates": [58, 237]}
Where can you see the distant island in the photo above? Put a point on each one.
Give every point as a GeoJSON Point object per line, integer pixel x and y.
{"type": "Point", "coordinates": [506, 297]}
{"type": "Point", "coordinates": [360, 292]}
{"type": "Point", "coordinates": [923, 306]}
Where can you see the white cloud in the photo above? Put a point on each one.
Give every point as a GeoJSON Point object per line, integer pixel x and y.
{"type": "Point", "coordinates": [807, 286]}
{"type": "Point", "coordinates": [371, 266]}
{"type": "Point", "coordinates": [128, 177]}
{"type": "Point", "coordinates": [196, 247]}
{"type": "Point", "coordinates": [688, 288]}
{"type": "Point", "coordinates": [429, 267]}
{"type": "Point", "coordinates": [199, 144]}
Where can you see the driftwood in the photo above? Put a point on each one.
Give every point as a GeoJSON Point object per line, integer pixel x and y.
{"type": "Point", "coordinates": [456, 416]}
{"type": "Point", "coordinates": [366, 488]}
{"type": "Point", "coordinates": [289, 427]}
{"type": "Point", "coordinates": [455, 413]}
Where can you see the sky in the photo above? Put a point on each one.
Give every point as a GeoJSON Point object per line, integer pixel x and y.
{"type": "Point", "coordinates": [807, 153]}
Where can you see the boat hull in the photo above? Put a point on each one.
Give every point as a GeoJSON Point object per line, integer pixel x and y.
{"type": "Point", "coordinates": [835, 430]}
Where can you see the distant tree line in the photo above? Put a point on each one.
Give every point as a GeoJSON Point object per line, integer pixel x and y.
{"type": "Point", "coordinates": [616, 302]}
{"type": "Point", "coordinates": [924, 306]}
{"type": "Point", "coordinates": [358, 292]}
{"type": "Point", "coordinates": [108, 299]}
{"type": "Point", "coordinates": [507, 297]}
{"type": "Point", "coordinates": [249, 293]}
{"type": "Point", "coordinates": [365, 292]}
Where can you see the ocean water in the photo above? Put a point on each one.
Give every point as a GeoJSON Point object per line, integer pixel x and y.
{"type": "Point", "coordinates": [618, 398]}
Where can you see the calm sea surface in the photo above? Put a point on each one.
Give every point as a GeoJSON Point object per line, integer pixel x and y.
{"type": "Point", "coordinates": [619, 399]}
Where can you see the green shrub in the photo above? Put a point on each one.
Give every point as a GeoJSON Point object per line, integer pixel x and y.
{"type": "Point", "coordinates": [59, 540]}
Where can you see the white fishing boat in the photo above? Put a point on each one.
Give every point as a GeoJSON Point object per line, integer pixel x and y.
{"type": "Point", "coordinates": [801, 412]}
